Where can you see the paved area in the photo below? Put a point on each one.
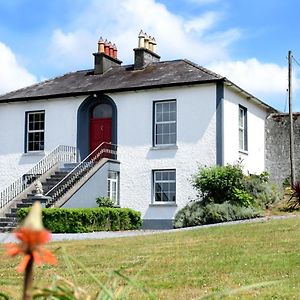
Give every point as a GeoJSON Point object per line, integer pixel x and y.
{"type": "Point", "coordinates": [8, 237]}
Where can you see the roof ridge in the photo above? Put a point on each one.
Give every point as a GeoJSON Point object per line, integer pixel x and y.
{"type": "Point", "coordinates": [204, 69]}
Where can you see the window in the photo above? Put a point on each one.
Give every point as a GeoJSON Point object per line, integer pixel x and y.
{"type": "Point", "coordinates": [243, 139]}
{"type": "Point", "coordinates": [102, 111]}
{"type": "Point", "coordinates": [113, 186]}
{"type": "Point", "coordinates": [35, 131]}
{"type": "Point", "coordinates": [165, 123]}
{"type": "Point", "coordinates": [164, 185]}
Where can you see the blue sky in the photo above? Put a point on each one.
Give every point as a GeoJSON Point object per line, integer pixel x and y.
{"type": "Point", "coordinates": [246, 41]}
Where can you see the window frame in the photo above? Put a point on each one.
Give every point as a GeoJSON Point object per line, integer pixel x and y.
{"type": "Point", "coordinates": [155, 122]}
{"type": "Point", "coordinates": [28, 131]}
{"type": "Point", "coordinates": [243, 128]}
{"type": "Point", "coordinates": [154, 181]}
{"type": "Point", "coordinates": [110, 182]}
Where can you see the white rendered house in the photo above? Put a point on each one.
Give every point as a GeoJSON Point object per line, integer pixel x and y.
{"type": "Point", "coordinates": [156, 121]}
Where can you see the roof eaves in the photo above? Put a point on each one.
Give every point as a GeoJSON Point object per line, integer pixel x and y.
{"type": "Point", "coordinates": [118, 90]}
{"type": "Point", "coordinates": [249, 96]}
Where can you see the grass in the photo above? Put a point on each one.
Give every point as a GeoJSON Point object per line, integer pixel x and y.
{"type": "Point", "coordinates": [183, 265]}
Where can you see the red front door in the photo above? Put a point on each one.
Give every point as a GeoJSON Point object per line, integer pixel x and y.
{"type": "Point", "coordinates": [100, 131]}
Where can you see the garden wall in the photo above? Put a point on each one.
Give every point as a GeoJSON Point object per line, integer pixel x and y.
{"type": "Point", "coordinates": [278, 147]}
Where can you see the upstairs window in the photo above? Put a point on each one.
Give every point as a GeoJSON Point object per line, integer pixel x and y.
{"type": "Point", "coordinates": [165, 123]}
{"type": "Point", "coordinates": [243, 128]}
{"type": "Point", "coordinates": [35, 131]}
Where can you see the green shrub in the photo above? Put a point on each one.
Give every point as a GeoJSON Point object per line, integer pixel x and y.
{"type": "Point", "coordinates": [263, 192]}
{"type": "Point", "coordinates": [219, 184]}
{"type": "Point", "coordinates": [199, 213]}
{"type": "Point", "coordinates": [71, 220]}
{"type": "Point", "coordinates": [105, 202]}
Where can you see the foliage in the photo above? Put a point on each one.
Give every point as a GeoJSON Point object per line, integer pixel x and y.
{"type": "Point", "coordinates": [262, 190]}
{"type": "Point", "coordinates": [70, 220]}
{"type": "Point", "coordinates": [219, 184]}
{"type": "Point", "coordinates": [294, 201]}
{"type": "Point", "coordinates": [200, 213]}
{"type": "Point", "coordinates": [105, 202]}
{"type": "Point", "coordinates": [227, 194]}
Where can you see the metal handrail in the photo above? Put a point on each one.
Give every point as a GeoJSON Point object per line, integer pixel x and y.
{"type": "Point", "coordinates": [61, 153]}
{"type": "Point", "coordinates": [104, 150]}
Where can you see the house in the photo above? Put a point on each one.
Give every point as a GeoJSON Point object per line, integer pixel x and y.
{"type": "Point", "coordinates": [155, 121]}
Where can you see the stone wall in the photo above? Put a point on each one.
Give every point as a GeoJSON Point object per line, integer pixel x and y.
{"type": "Point", "coordinates": [278, 147]}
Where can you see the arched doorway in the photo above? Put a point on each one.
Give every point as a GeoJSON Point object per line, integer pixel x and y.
{"type": "Point", "coordinates": [100, 125]}
{"type": "Point", "coordinates": [96, 123]}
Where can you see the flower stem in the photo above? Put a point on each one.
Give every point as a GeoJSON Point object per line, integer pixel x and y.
{"type": "Point", "coordinates": [28, 279]}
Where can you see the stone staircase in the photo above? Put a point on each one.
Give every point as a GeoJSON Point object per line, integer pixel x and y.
{"type": "Point", "coordinates": [60, 179]}
{"type": "Point", "coordinates": [9, 221]}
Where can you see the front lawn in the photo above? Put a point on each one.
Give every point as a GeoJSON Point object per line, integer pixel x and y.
{"type": "Point", "coordinates": [184, 265]}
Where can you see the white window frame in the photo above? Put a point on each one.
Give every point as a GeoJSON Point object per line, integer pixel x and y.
{"type": "Point", "coordinates": [243, 128]}
{"type": "Point", "coordinates": [163, 181]}
{"type": "Point", "coordinates": [29, 131]}
{"type": "Point", "coordinates": [156, 103]}
{"type": "Point", "coordinates": [111, 183]}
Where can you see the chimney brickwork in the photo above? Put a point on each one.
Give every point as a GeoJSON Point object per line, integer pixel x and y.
{"type": "Point", "coordinates": [106, 57]}
{"type": "Point", "coordinates": [145, 53]}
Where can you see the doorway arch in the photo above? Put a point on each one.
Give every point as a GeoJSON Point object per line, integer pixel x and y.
{"type": "Point", "coordinates": [89, 115]}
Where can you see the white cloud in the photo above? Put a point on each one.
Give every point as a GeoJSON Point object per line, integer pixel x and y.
{"type": "Point", "coordinates": [200, 39]}
{"type": "Point", "coordinates": [264, 80]}
{"type": "Point", "coordinates": [177, 37]}
{"type": "Point", "coordinates": [200, 24]}
{"type": "Point", "coordinates": [12, 74]}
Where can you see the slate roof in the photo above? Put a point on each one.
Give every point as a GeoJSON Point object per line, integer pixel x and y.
{"type": "Point", "coordinates": [124, 78]}
{"type": "Point", "coordinates": [119, 78]}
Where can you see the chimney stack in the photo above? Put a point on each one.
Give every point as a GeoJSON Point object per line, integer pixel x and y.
{"type": "Point", "coordinates": [145, 54]}
{"type": "Point", "coordinates": [106, 57]}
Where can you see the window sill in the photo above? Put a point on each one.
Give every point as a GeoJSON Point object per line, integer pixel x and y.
{"type": "Point", "coordinates": [34, 153]}
{"type": "Point", "coordinates": [169, 147]}
{"type": "Point", "coordinates": [163, 204]}
{"type": "Point", "coordinates": [243, 152]}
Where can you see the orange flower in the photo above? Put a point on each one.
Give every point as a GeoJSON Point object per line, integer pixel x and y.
{"type": "Point", "coordinates": [31, 244]}
{"type": "Point", "coordinates": [32, 236]}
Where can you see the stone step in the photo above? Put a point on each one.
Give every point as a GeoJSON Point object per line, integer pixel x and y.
{"type": "Point", "coordinates": [11, 215]}
{"type": "Point", "coordinates": [22, 205]}
{"type": "Point", "coordinates": [7, 229]}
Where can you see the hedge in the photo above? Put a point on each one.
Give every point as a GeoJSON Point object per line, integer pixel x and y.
{"type": "Point", "coordinates": [72, 220]}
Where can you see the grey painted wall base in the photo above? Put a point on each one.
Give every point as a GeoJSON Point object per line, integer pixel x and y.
{"type": "Point", "coordinates": [157, 224]}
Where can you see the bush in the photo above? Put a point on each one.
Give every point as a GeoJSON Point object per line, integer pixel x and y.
{"type": "Point", "coordinates": [105, 202]}
{"type": "Point", "coordinates": [219, 184]}
{"type": "Point", "coordinates": [294, 201]}
{"type": "Point", "coordinates": [71, 220]}
{"type": "Point", "coordinates": [199, 213]}
{"type": "Point", "coordinates": [263, 192]}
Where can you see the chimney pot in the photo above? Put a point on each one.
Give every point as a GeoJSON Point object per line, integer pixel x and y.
{"type": "Point", "coordinates": [111, 49]}
{"type": "Point", "coordinates": [106, 47]}
{"type": "Point", "coordinates": [150, 43]}
{"type": "Point", "coordinates": [146, 41]}
{"type": "Point", "coordinates": [101, 45]}
{"type": "Point", "coordinates": [141, 39]}
{"type": "Point", "coordinates": [115, 51]}
{"type": "Point", "coordinates": [153, 45]}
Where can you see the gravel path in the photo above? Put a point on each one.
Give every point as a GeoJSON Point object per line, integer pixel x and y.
{"type": "Point", "coordinates": [8, 237]}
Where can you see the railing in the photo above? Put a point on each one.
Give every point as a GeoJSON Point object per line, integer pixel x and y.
{"type": "Point", "coordinates": [104, 150]}
{"type": "Point", "coordinates": [60, 154]}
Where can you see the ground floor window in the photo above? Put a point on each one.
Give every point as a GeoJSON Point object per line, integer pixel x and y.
{"type": "Point", "coordinates": [113, 186]}
{"type": "Point", "coordinates": [164, 183]}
